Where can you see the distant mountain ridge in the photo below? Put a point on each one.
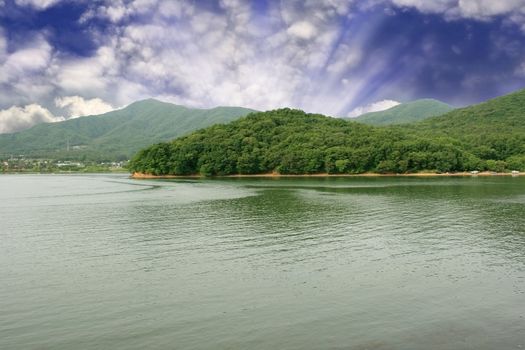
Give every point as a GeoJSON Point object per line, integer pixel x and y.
{"type": "Point", "coordinates": [406, 113]}
{"type": "Point", "coordinates": [117, 134]}
{"type": "Point", "coordinates": [493, 131]}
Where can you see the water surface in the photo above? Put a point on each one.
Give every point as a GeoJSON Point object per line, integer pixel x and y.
{"type": "Point", "coordinates": [102, 261]}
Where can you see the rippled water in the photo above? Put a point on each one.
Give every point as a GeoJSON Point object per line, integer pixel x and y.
{"type": "Point", "coordinates": [92, 262]}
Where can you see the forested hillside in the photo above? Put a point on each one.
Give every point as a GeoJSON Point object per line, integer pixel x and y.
{"type": "Point", "coordinates": [489, 136]}
{"type": "Point", "coordinates": [114, 135]}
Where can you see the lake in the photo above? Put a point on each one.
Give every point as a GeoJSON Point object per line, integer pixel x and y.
{"type": "Point", "coordinates": [106, 262]}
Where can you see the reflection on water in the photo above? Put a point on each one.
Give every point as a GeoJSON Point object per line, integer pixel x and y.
{"type": "Point", "coordinates": [93, 262]}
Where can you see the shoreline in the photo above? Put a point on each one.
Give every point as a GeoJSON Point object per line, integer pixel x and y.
{"type": "Point", "coordinates": [142, 176]}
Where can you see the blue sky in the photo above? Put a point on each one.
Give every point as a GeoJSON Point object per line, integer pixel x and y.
{"type": "Point", "coordinates": [62, 58]}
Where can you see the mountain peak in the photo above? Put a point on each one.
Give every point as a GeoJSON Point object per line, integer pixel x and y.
{"type": "Point", "coordinates": [149, 102]}
{"type": "Point", "coordinates": [115, 134]}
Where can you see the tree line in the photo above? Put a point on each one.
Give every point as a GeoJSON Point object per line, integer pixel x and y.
{"type": "Point", "coordinates": [289, 141]}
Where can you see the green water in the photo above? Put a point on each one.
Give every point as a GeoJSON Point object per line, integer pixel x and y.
{"type": "Point", "coordinates": [105, 262]}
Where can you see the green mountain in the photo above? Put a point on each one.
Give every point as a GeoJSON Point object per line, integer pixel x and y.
{"type": "Point", "coordinates": [114, 135]}
{"type": "Point", "coordinates": [501, 115]}
{"type": "Point", "coordinates": [406, 113]}
{"type": "Point", "coordinates": [489, 136]}
{"type": "Point", "coordinates": [491, 130]}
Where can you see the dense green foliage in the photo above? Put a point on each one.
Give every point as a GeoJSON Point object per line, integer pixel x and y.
{"type": "Point", "coordinates": [115, 135]}
{"type": "Point", "coordinates": [493, 131]}
{"type": "Point", "coordinates": [489, 136]}
{"type": "Point", "coordinates": [406, 113]}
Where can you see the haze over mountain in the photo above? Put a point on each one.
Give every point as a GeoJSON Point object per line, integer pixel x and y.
{"type": "Point", "coordinates": [114, 135]}
{"type": "Point", "coordinates": [406, 113]}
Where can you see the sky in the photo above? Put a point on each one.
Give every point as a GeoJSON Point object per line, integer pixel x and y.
{"type": "Point", "coordinates": [62, 59]}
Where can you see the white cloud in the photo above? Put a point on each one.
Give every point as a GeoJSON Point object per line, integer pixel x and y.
{"type": "Point", "coordinates": [302, 30]}
{"type": "Point", "coordinates": [204, 58]}
{"type": "Point", "coordinates": [93, 76]}
{"type": "Point", "coordinates": [208, 59]}
{"type": "Point", "coordinates": [81, 76]}
{"type": "Point", "coordinates": [77, 106]}
{"type": "Point", "coordinates": [373, 107]}
{"type": "Point", "coordinates": [488, 8]}
{"type": "Point", "coordinates": [298, 54]}
{"type": "Point", "coordinates": [427, 6]}
{"type": "Point", "coordinates": [24, 72]}
{"type": "Point", "coordinates": [19, 118]}
{"type": "Point", "coordinates": [38, 4]}
{"type": "Point", "coordinates": [33, 58]}
{"type": "Point", "coordinates": [30, 59]}
{"type": "Point", "coordinates": [475, 9]}
{"type": "Point", "coordinates": [175, 9]}
{"type": "Point", "coordinates": [345, 58]}
{"type": "Point", "coordinates": [119, 10]}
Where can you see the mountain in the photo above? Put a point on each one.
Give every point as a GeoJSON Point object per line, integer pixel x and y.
{"type": "Point", "coordinates": [501, 115]}
{"type": "Point", "coordinates": [114, 135]}
{"type": "Point", "coordinates": [406, 113]}
{"type": "Point", "coordinates": [488, 136]}
{"type": "Point", "coordinates": [492, 130]}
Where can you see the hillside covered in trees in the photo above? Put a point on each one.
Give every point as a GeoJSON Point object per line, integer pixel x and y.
{"type": "Point", "coordinates": [116, 135]}
{"type": "Point", "coordinates": [489, 136]}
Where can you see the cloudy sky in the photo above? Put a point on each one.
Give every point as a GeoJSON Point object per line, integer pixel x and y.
{"type": "Point", "coordinates": [67, 58]}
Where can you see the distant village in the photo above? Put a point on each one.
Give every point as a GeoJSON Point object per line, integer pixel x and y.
{"type": "Point", "coordinates": [20, 163]}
